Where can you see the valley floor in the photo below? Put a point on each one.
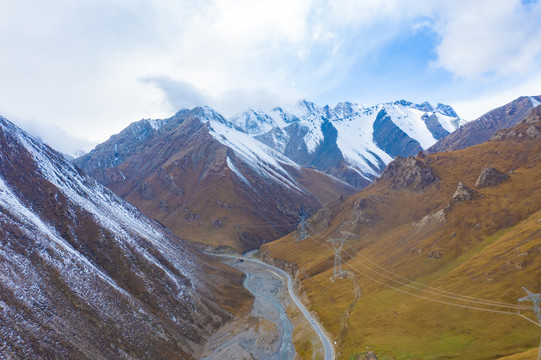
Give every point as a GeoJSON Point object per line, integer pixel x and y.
{"type": "Point", "coordinates": [274, 325]}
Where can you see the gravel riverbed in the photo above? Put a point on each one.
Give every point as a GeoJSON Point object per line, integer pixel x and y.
{"type": "Point", "coordinates": [267, 332]}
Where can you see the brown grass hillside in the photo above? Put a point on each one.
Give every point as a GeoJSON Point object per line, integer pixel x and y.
{"type": "Point", "coordinates": [417, 254]}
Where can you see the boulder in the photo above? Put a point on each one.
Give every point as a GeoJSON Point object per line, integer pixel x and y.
{"type": "Point", "coordinates": [463, 193]}
{"type": "Point", "coordinates": [490, 177]}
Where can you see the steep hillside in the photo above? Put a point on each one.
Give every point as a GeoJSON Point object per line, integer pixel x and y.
{"type": "Point", "coordinates": [482, 129]}
{"type": "Point", "coordinates": [209, 182]}
{"type": "Point", "coordinates": [85, 275]}
{"type": "Point", "coordinates": [436, 254]}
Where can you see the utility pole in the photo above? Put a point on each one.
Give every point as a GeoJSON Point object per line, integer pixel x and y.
{"type": "Point", "coordinates": [536, 301]}
{"type": "Point", "coordinates": [337, 245]}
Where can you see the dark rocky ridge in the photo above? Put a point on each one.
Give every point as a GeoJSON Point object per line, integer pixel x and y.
{"type": "Point", "coordinates": [531, 128]}
{"type": "Point", "coordinates": [392, 139]}
{"type": "Point", "coordinates": [482, 129]}
{"type": "Point", "coordinates": [434, 126]}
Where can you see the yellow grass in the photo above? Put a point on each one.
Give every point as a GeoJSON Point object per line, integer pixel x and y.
{"type": "Point", "coordinates": [487, 248]}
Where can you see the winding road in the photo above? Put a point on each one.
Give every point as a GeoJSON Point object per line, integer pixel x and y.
{"type": "Point", "coordinates": [327, 344]}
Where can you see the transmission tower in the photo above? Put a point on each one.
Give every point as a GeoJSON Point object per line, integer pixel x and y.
{"type": "Point", "coordinates": [536, 301]}
{"type": "Point", "coordinates": [337, 245]}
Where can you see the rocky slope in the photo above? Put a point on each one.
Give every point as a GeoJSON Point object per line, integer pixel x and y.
{"type": "Point", "coordinates": [209, 182]}
{"type": "Point", "coordinates": [440, 246]}
{"type": "Point", "coordinates": [482, 129]}
{"type": "Point", "coordinates": [85, 275]}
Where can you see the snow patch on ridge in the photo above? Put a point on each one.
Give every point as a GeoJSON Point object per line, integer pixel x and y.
{"type": "Point", "coordinates": [237, 172]}
{"type": "Point", "coordinates": [354, 124]}
{"type": "Point", "coordinates": [535, 103]}
{"type": "Point", "coordinates": [156, 124]}
{"type": "Point", "coordinates": [449, 123]}
{"type": "Point", "coordinates": [263, 159]}
{"type": "Point", "coordinates": [355, 141]}
{"type": "Point", "coordinates": [311, 117]}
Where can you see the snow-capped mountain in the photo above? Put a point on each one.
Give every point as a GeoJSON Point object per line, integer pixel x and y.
{"type": "Point", "coordinates": [85, 275]}
{"type": "Point", "coordinates": [350, 141]}
{"type": "Point", "coordinates": [210, 181]}
{"type": "Point", "coordinates": [291, 159]}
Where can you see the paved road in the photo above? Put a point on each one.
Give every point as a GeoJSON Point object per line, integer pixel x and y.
{"type": "Point", "coordinates": [327, 344]}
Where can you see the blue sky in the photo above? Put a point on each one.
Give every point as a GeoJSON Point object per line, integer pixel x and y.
{"type": "Point", "coordinates": [76, 72]}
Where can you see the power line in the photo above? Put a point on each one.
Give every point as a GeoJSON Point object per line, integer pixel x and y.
{"type": "Point", "coordinates": [337, 271]}
{"type": "Point", "coordinates": [408, 284]}
{"type": "Point", "coordinates": [457, 297]}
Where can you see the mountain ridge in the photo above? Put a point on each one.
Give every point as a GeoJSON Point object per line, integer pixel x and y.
{"type": "Point", "coordinates": [85, 275]}
{"type": "Point", "coordinates": [483, 128]}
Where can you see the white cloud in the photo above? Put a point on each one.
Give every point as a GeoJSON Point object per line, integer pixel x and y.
{"type": "Point", "coordinates": [181, 94]}
{"type": "Point", "coordinates": [54, 136]}
{"type": "Point", "coordinates": [92, 67]}
{"type": "Point", "coordinates": [489, 38]}
{"type": "Point", "coordinates": [473, 108]}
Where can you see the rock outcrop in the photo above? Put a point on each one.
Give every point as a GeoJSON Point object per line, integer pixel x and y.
{"type": "Point", "coordinates": [530, 128]}
{"type": "Point", "coordinates": [411, 173]}
{"type": "Point", "coordinates": [463, 193]}
{"type": "Point", "coordinates": [490, 177]}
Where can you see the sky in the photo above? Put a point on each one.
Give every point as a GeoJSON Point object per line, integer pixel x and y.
{"type": "Point", "coordinates": [75, 72]}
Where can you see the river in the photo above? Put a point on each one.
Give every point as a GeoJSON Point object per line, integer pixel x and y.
{"type": "Point", "coordinates": [267, 333]}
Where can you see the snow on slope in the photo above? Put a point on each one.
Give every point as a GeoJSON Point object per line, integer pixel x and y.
{"type": "Point", "coordinates": [310, 116]}
{"type": "Point", "coordinates": [261, 158]}
{"type": "Point", "coordinates": [307, 113]}
{"type": "Point", "coordinates": [449, 123]}
{"type": "Point", "coordinates": [410, 121]}
{"type": "Point", "coordinates": [108, 210]}
{"type": "Point", "coordinates": [237, 172]}
{"type": "Point", "coordinates": [256, 122]}
{"type": "Point", "coordinates": [355, 138]}
{"type": "Point", "coordinates": [354, 124]}
{"type": "Point", "coordinates": [35, 227]}
{"type": "Point", "coordinates": [82, 269]}
{"type": "Point", "coordinates": [535, 103]}
{"type": "Point", "coordinates": [355, 134]}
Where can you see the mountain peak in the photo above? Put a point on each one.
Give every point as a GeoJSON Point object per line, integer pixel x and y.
{"type": "Point", "coordinates": [426, 107]}
{"type": "Point", "coordinates": [446, 110]}
{"type": "Point", "coordinates": [207, 113]}
{"type": "Point", "coordinates": [403, 102]}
